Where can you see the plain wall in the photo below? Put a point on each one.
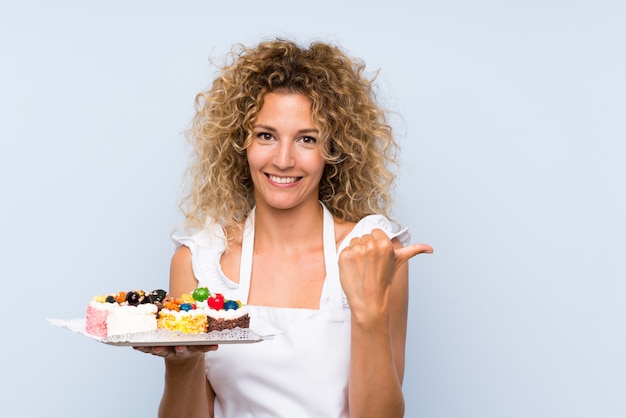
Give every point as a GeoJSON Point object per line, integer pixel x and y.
{"type": "Point", "coordinates": [510, 116]}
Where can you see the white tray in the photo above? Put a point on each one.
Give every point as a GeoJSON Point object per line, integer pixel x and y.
{"type": "Point", "coordinates": [163, 337]}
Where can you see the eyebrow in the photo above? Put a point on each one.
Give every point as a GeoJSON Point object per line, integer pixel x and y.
{"type": "Point", "coordinates": [299, 132]}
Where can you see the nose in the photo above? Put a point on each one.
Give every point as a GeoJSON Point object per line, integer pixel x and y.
{"type": "Point", "coordinates": [285, 155]}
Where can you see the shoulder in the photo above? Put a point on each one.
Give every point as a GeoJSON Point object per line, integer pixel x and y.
{"type": "Point", "coordinates": [210, 235]}
{"type": "Point", "coordinates": [196, 261]}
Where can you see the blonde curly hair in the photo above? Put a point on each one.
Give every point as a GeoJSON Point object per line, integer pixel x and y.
{"type": "Point", "coordinates": [355, 137]}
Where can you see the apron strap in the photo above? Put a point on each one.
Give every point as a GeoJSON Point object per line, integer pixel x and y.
{"type": "Point", "coordinates": [331, 261]}
{"type": "Point", "coordinates": [247, 250]}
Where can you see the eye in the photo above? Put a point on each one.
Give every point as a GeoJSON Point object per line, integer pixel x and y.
{"type": "Point", "coordinates": [308, 140]}
{"type": "Point", "coordinates": [264, 136]}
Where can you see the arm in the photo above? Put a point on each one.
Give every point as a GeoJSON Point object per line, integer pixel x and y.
{"type": "Point", "coordinates": [374, 276]}
{"type": "Point", "coordinates": [187, 391]}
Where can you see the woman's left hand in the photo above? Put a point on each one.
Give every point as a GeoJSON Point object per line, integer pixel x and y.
{"type": "Point", "coordinates": [367, 267]}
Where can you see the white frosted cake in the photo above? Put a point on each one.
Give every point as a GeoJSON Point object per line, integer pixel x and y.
{"type": "Point", "coordinates": [122, 313]}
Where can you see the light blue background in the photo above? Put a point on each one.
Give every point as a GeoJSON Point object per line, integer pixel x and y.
{"type": "Point", "coordinates": [511, 120]}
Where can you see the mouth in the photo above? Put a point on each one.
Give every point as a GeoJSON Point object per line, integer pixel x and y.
{"type": "Point", "coordinates": [282, 180]}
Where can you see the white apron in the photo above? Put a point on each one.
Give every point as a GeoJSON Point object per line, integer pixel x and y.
{"type": "Point", "coordinates": [303, 370]}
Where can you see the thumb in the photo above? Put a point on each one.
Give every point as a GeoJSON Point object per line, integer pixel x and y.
{"type": "Point", "coordinates": [405, 253]}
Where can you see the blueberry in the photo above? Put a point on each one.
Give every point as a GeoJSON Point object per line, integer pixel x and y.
{"type": "Point", "coordinates": [231, 304]}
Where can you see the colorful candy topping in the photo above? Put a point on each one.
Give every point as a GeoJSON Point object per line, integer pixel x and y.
{"type": "Point", "coordinates": [201, 294]}
{"type": "Point", "coordinates": [172, 304]}
{"type": "Point", "coordinates": [196, 300]}
{"type": "Point", "coordinates": [231, 304]}
{"type": "Point", "coordinates": [157, 296]}
{"type": "Point", "coordinates": [120, 297]}
{"type": "Point", "coordinates": [187, 302]}
{"type": "Point", "coordinates": [216, 301]}
{"type": "Point", "coordinates": [186, 307]}
{"type": "Point", "coordinates": [133, 298]}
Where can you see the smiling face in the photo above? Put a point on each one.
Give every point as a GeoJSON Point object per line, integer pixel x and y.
{"type": "Point", "coordinates": [284, 157]}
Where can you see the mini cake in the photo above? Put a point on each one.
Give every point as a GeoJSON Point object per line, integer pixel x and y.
{"type": "Point", "coordinates": [188, 322]}
{"type": "Point", "coordinates": [137, 311]}
{"type": "Point", "coordinates": [222, 319]}
{"type": "Point", "coordinates": [226, 314]}
{"type": "Point", "coordinates": [123, 313]}
{"type": "Point", "coordinates": [202, 312]}
{"type": "Point", "coordinates": [182, 315]}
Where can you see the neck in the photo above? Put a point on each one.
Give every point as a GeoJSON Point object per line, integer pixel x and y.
{"type": "Point", "coordinates": [287, 229]}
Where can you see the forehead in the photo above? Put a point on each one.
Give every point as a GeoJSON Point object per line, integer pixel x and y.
{"type": "Point", "coordinates": [283, 108]}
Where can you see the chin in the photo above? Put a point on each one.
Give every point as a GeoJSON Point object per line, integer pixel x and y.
{"type": "Point", "coordinates": [283, 204]}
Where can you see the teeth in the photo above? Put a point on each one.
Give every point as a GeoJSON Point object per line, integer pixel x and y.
{"type": "Point", "coordinates": [283, 180]}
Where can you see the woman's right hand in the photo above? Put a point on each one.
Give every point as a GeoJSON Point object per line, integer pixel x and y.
{"type": "Point", "coordinates": [178, 352]}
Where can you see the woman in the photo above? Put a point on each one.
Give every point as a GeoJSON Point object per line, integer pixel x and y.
{"type": "Point", "coordinates": [289, 194]}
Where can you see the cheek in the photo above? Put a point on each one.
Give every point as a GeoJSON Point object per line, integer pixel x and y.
{"type": "Point", "coordinates": [317, 166]}
{"type": "Point", "coordinates": [253, 156]}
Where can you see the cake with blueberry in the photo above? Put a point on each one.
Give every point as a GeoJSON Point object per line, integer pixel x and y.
{"type": "Point", "coordinates": [226, 314]}
{"type": "Point", "coordinates": [123, 313]}
{"type": "Point", "coordinates": [202, 312]}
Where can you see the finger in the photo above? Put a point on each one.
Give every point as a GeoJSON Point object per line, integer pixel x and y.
{"type": "Point", "coordinates": [405, 253]}
{"type": "Point", "coordinates": [180, 350]}
{"type": "Point", "coordinates": [206, 348]}
{"type": "Point", "coordinates": [355, 241]}
{"type": "Point", "coordinates": [161, 351]}
{"type": "Point", "coordinates": [157, 351]}
{"type": "Point", "coordinates": [378, 233]}
{"type": "Point", "coordinates": [370, 237]}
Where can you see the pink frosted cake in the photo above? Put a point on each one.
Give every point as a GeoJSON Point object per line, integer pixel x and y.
{"type": "Point", "coordinates": [123, 313]}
